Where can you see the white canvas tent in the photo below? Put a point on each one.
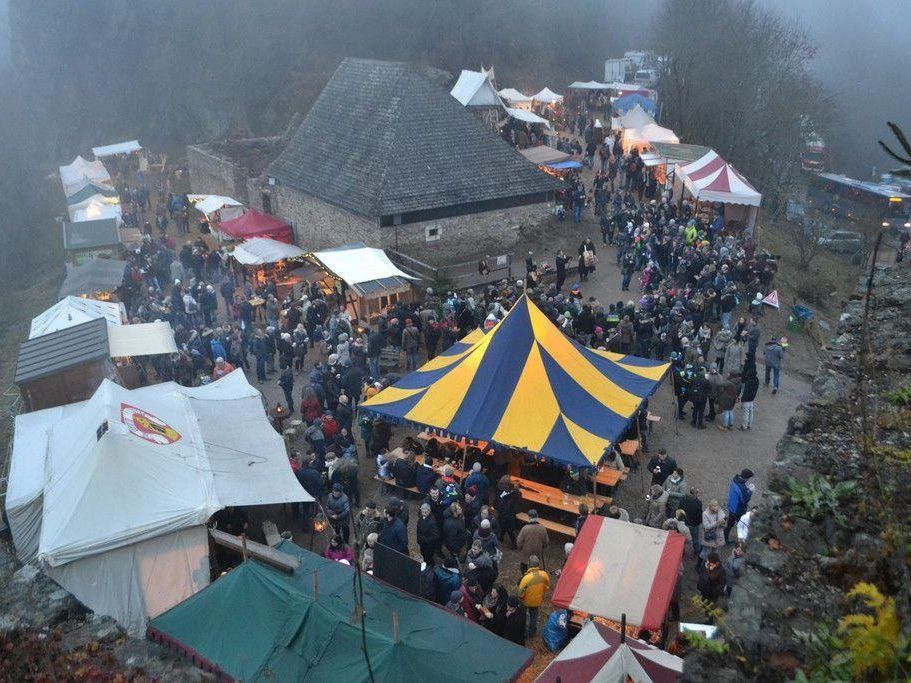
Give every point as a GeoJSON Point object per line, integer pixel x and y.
{"type": "Point", "coordinates": [97, 208]}
{"type": "Point", "coordinates": [547, 96]}
{"type": "Point", "coordinates": [513, 96]}
{"type": "Point", "coordinates": [636, 117]}
{"type": "Point", "coordinates": [111, 495]}
{"type": "Point", "coordinates": [118, 148]}
{"type": "Point", "coordinates": [359, 264]}
{"type": "Point", "coordinates": [141, 339]}
{"type": "Point", "coordinates": [262, 250]}
{"type": "Point", "coordinates": [527, 116]}
{"type": "Point", "coordinates": [641, 138]}
{"type": "Point", "coordinates": [75, 310]}
{"type": "Point", "coordinates": [474, 89]}
{"type": "Point", "coordinates": [210, 203]}
{"type": "Point", "coordinates": [589, 85]}
{"type": "Point", "coordinates": [80, 173]}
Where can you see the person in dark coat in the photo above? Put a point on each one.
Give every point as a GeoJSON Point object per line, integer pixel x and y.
{"type": "Point", "coordinates": [428, 534]}
{"type": "Point", "coordinates": [514, 621]}
{"type": "Point", "coordinates": [404, 471]}
{"type": "Point", "coordinates": [455, 536]}
{"type": "Point", "coordinates": [711, 578]}
{"type": "Point", "coordinates": [426, 475]}
{"type": "Point", "coordinates": [449, 579]}
{"type": "Point", "coordinates": [393, 534]}
{"type": "Point", "coordinates": [312, 481]}
{"type": "Point", "coordinates": [507, 504]}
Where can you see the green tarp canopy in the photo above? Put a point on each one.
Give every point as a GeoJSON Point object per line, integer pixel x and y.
{"type": "Point", "coordinates": [258, 623]}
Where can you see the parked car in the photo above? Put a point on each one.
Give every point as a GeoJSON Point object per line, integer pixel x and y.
{"type": "Point", "coordinates": [843, 241]}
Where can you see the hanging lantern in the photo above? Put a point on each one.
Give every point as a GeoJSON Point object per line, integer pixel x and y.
{"type": "Point", "coordinates": [319, 522]}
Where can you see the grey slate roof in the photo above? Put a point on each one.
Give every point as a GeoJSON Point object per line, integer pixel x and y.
{"type": "Point", "coordinates": [90, 190]}
{"type": "Point", "coordinates": [57, 351]}
{"type": "Point", "coordinates": [97, 275]}
{"type": "Point", "coordinates": [383, 139]}
{"type": "Point", "coordinates": [89, 234]}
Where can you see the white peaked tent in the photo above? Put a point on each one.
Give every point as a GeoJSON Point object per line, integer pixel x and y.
{"type": "Point", "coordinates": [262, 250]}
{"type": "Point", "coordinates": [474, 89]}
{"type": "Point", "coordinates": [80, 173]}
{"type": "Point", "coordinates": [210, 203]}
{"type": "Point", "coordinates": [547, 96]}
{"type": "Point", "coordinates": [526, 116]}
{"type": "Point", "coordinates": [75, 310]}
{"type": "Point", "coordinates": [589, 85]}
{"type": "Point", "coordinates": [636, 117]}
{"type": "Point", "coordinates": [97, 208]}
{"type": "Point", "coordinates": [112, 495]}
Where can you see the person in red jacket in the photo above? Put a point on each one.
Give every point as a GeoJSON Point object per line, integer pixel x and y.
{"type": "Point", "coordinates": [339, 551]}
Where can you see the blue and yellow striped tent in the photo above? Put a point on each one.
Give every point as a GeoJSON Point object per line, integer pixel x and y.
{"type": "Point", "coordinates": [525, 385]}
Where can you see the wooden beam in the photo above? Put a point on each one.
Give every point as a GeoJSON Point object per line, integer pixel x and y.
{"type": "Point", "coordinates": [263, 553]}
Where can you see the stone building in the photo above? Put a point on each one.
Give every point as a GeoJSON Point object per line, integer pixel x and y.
{"type": "Point", "coordinates": [388, 158]}
{"type": "Point", "coordinates": [225, 168]}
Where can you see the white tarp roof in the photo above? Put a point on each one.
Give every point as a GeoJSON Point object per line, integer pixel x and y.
{"type": "Point", "coordinates": [589, 85]}
{"type": "Point", "coordinates": [513, 95]}
{"type": "Point", "coordinates": [651, 132]}
{"type": "Point", "coordinates": [141, 339]}
{"type": "Point", "coordinates": [543, 155]}
{"type": "Point", "coordinates": [636, 118]}
{"type": "Point", "coordinates": [75, 310]}
{"type": "Point", "coordinates": [546, 95]}
{"type": "Point", "coordinates": [473, 89]}
{"type": "Point", "coordinates": [80, 172]}
{"type": "Point", "coordinates": [209, 203]}
{"type": "Point", "coordinates": [117, 148]}
{"type": "Point", "coordinates": [97, 208]}
{"type": "Point", "coordinates": [126, 466]}
{"type": "Point", "coordinates": [261, 250]}
{"type": "Point", "coordinates": [359, 264]}
{"type": "Point", "coordinates": [527, 116]}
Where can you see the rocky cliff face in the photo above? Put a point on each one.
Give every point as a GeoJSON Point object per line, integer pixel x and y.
{"type": "Point", "coordinates": [803, 558]}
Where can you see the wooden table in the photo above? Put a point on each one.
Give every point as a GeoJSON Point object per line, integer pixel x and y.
{"type": "Point", "coordinates": [461, 443]}
{"type": "Point", "coordinates": [259, 309]}
{"type": "Point", "coordinates": [548, 496]}
{"type": "Point", "coordinates": [458, 473]}
{"type": "Point", "coordinates": [608, 476]}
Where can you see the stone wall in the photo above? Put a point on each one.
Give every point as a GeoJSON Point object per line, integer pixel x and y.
{"type": "Point", "coordinates": [211, 173]}
{"type": "Point", "coordinates": [798, 569]}
{"type": "Point", "coordinates": [319, 224]}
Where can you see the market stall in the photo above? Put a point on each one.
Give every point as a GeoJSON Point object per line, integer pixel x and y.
{"type": "Point", "coordinates": [253, 224]}
{"type": "Point", "coordinates": [642, 137]}
{"type": "Point", "coordinates": [128, 147]}
{"type": "Point", "coordinates": [621, 571]}
{"type": "Point", "coordinates": [711, 181]}
{"type": "Point", "coordinates": [73, 310]}
{"type": "Point", "coordinates": [636, 117]}
{"type": "Point", "coordinates": [216, 208]}
{"type": "Point", "coordinates": [624, 104]}
{"type": "Point", "coordinates": [662, 157]}
{"type": "Point", "coordinates": [263, 258]}
{"type": "Point", "coordinates": [515, 99]}
{"type": "Point", "coordinates": [599, 654]}
{"type": "Point", "coordinates": [79, 173]}
{"type": "Point", "coordinates": [547, 96]}
{"type": "Point", "coordinates": [99, 279]}
{"type": "Point", "coordinates": [365, 279]}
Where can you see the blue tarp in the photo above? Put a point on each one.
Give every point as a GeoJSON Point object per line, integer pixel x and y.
{"type": "Point", "coordinates": [627, 102]}
{"type": "Point", "coordinates": [560, 165]}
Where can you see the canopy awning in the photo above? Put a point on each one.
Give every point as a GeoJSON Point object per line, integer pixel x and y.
{"type": "Point", "coordinates": [641, 138]}
{"type": "Point", "coordinates": [117, 148]}
{"type": "Point", "coordinates": [670, 154]}
{"type": "Point", "coordinates": [73, 310]}
{"type": "Point", "coordinates": [255, 224]}
{"type": "Point", "coordinates": [99, 275]}
{"type": "Point", "coordinates": [564, 165]}
{"type": "Point", "coordinates": [620, 568]}
{"type": "Point", "coordinates": [359, 264]}
{"type": "Point", "coordinates": [526, 385]}
{"type": "Point", "coordinates": [261, 250]}
{"type": "Point", "coordinates": [712, 179]}
{"type": "Point", "coordinates": [589, 85]}
{"type": "Point", "coordinates": [141, 339]}
{"type": "Point", "coordinates": [597, 655]}
{"type": "Point", "coordinates": [543, 155]}
{"type": "Point", "coordinates": [97, 208]}
{"type": "Point", "coordinates": [527, 116]}
{"type": "Point", "coordinates": [210, 203]}
{"type": "Point", "coordinates": [547, 96]}
{"type": "Point", "coordinates": [513, 95]}
{"type": "Point", "coordinates": [256, 623]}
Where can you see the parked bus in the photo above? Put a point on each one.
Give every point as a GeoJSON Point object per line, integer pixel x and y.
{"type": "Point", "coordinates": [858, 200]}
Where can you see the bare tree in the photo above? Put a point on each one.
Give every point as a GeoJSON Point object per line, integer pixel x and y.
{"type": "Point", "coordinates": [905, 170]}
{"type": "Point", "coordinates": [736, 78]}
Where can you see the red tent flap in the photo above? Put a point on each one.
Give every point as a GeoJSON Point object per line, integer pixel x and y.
{"type": "Point", "coordinates": [256, 224]}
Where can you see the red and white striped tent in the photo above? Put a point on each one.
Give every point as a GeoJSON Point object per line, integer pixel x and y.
{"type": "Point", "coordinates": [597, 655]}
{"type": "Point", "coordinates": [618, 568]}
{"type": "Point", "coordinates": [712, 179]}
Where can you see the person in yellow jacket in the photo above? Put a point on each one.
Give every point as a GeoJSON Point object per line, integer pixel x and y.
{"type": "Point", "coordinates": [532, 587]}
{"type": "Point", "coordinates": [689, 234]}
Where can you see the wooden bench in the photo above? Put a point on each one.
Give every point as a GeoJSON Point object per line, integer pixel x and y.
{"type": "Point", "coordinates": [391, 482]}
{"type": "Point", "coordinates": [556, 527]}
{"type": "Point", "coordinates": [389, 358]}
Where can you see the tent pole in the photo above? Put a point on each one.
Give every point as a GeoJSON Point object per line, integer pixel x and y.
{"type": "Point", "coordinates": [639, 454]}
{"type": "Point", "coordinates": [243, 546]}
{"type": "Point", "coordinates": [623, 628]}
{"type": "Point", "coordinates": [395, 626]}
{"type": "Point", "coordinates": [316, 586]}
